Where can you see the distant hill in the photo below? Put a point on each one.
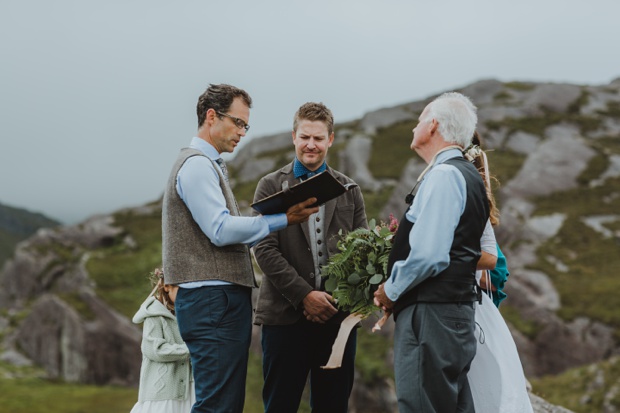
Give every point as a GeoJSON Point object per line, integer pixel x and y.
{"type": "Point", "coordinates": [555, 149]}
{"type": "Point", "coordinates": [17, 224]}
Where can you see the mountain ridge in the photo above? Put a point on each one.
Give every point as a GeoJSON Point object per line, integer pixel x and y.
{"type": "Point", "coordinates": [555, 149]}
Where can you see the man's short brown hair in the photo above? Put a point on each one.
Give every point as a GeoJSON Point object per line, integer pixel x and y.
{"type": "Point", "coordinates": [314, 111]}
{"type": "Point", "coordinates": [219, 98]}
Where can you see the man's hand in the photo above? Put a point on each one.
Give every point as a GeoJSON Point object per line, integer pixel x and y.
{"type": "Point", "coordinates": [318, 307]}
{"type": "Point", "coordinates": [382, 301]}
{"type": "Point", "coordinates": [300, 212]}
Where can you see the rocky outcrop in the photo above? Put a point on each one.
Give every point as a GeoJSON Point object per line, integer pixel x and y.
{"type": "Point", "coordinates": [558, 131]}
{"type": "Point", "coordinates": [66, 328]}
{"type": "Point", "coordinates": [103, 348]}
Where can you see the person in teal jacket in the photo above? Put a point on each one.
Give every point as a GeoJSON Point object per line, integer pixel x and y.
{"type": "Point", "coordinates": [499, 276]}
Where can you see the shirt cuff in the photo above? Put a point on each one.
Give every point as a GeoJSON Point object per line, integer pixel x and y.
{"type": "Point", "coordinates": [390, 291]}
{"type": "Point", "coordinates": [276, 222]}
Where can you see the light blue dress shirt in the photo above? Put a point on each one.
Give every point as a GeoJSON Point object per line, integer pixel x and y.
{"type": "Point", "coordinates": [198, 185]}
{"type": "Point", "coordinates": [435, 213]}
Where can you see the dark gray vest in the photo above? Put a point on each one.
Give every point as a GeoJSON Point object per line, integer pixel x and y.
{"type": "Point", "coordinates": [188, 254]}
{"type": "Point", "coordinates": [457, 282]}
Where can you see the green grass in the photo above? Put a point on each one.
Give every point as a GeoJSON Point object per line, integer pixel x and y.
{"type": "Point", "coordinates": [574, 389]}
{"type": "Point", "coordinates": [391, 150]}
{"type": "Point", "coordinates": [536, 125]}
{"type": "Point", "coordinates": [35, 395]}
{"type": "Point", "coordinates": [42, 396]}
{"type": "Point", "coordinates": [80, 306]}
{"type": "Point", "coordinates": [120, 273]}
{"type": "Point", "coordinates": [371, 356]}
{"type": "Point", "coordinates": [529, 328]}
{"type": "Point", "coordinates": [521, 86]}
{"type": "Point", "coordinates": [590, 286]}
{"type": "Point", "coordinates": [502, 97]}
{"type": "Point", "coordinates": [375, 201]}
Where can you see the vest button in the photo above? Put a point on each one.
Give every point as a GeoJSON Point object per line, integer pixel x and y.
{"type": "Point", "coordinates": [311, 275]}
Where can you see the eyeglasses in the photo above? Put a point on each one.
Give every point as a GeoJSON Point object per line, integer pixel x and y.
{"type": "Point", "coordinates": [240, 123]}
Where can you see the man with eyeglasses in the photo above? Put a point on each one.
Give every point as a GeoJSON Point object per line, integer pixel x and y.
{"type": "Point", "coordinates": [205, 251]}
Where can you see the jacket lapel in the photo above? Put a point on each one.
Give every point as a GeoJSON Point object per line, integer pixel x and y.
{"type": "Point", "coordinates": [330, 207]}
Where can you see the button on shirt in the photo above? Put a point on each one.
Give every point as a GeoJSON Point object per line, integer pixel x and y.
{"type": "Point", "coordinates": [435, 213]}
{"type": "Point", "coordinates": [198, 185]}
{"type": "Point", "coordinates": [318, 247]}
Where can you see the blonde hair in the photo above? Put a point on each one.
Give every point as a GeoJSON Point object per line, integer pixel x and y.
{"type": "Point", "coordinates": [157, 280]}
{"type": "Point", "coordinates": [478, 157]}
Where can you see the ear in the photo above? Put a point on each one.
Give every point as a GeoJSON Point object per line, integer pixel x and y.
{"type": "Point", "coordinates": [433, 126]}
{"type": "Point", "coordinates": [210, 116]}
{"type": "Point", "coordinates": [331, 140]}
{"type": "Point", "coordinates": [294, 135]}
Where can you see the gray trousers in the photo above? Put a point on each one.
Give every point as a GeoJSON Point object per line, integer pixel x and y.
{"type": "Point", "coordinates": [434, 345]}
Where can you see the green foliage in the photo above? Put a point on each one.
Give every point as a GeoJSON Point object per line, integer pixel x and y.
{"type": "Point", "coordinates": [613, 110]}
{"type": "Point", "coordinates": [375, 201]}
{"type": "Point", "coordinates": [16, 225]}
{"type": "Point", "coordinates": [581, 101]}
{"type": "Point", "coordinates": [8, 242]}
{"type": "Point", "coordinates": [583, 389]}
{"type": "Point", "coordinates": [391, 149]}
{"type": "Point", "coordinates": [121, 273]}
{"type": "Point", "coordinates": [43, 396]}
{"type": "Point", "coordinates": [502, 96]}
{"type": "Point", "coordinates": [354, 273]}
{"type": "Point", "coordinates": [521, 86]}
{"type": "Point", "coordinates": [79, 305]}
{"type": "Point", "coordinates": [589, 288]}
{"type": "Point", "coordinates": [529, 328]}
{"type": "Point", "coordinates": [245, 191]}
{"type": "Point", "coordinates": [536, 125]}
{"type": "Point", "coordinates": [372, 355]}
{"type": "Point", "coordinates": [504, 166]}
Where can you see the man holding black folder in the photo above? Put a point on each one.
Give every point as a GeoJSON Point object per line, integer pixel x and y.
{"type": "Point", "coordinates": [205, 251]}
{"type": "Point", "coordinates": [300, 321]}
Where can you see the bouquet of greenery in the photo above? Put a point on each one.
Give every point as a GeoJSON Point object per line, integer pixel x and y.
{"type": "Point", "coordinates": [354, 274]}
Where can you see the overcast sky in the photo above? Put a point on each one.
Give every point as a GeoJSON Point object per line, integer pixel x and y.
{"type": "Point", "coordinates": [96, 97]}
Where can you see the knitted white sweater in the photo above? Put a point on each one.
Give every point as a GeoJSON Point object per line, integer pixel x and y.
{"type": "Point", "coordinates": [165, 373]}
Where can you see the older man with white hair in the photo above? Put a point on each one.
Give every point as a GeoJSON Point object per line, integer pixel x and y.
{"type": "Point", "coordinates": [431, 288]}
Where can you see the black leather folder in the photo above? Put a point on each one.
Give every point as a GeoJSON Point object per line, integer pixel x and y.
{"type": "Point", "coordinates": [324, 187]}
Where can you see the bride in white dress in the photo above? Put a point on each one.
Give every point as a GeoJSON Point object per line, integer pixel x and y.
{"type": "Point", "coordinates": [496, 376]}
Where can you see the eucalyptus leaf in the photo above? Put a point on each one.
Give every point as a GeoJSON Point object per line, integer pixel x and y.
{"type": "Point", "coordinates": [331, 284]}
{"type": "Point", "coordinates": [354, 279]}
{"type": "Point", "coordinates": [376, 279]}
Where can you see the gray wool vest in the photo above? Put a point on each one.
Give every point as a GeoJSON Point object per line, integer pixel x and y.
{"type": "Point", "coordinates": [188, 254]}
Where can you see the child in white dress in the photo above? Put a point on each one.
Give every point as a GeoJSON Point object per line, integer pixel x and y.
{"type": "Point", "coordinates": [166, 384]}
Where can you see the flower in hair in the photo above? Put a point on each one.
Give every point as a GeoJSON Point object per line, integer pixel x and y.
{"type": "Point", "coordinates": [472, 152]}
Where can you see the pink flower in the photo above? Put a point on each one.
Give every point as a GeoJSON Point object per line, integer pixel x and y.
{"type": "Point", "coordinates": [393, 225]}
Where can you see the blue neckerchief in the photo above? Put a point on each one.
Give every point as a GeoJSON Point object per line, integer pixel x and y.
{"type": "Point", "coordinates": [301, 171]}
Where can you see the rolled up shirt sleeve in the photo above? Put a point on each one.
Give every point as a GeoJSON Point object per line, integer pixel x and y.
{"type": "Point", "coordinates": [198, 185]}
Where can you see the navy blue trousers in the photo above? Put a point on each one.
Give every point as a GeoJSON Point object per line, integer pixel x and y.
{"type": "Point", "coordinates": [216, 324]}
{"type": "Point", "coordinates": [290, 353]}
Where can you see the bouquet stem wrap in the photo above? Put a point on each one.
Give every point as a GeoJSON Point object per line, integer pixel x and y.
{"type": "Point", "coordinates": [335, 359]}
{"type": "Point", "coordinates": [354, 274]}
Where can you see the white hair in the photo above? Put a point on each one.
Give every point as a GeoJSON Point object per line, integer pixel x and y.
{"type": "Point", "coordinates": [456, 116]}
